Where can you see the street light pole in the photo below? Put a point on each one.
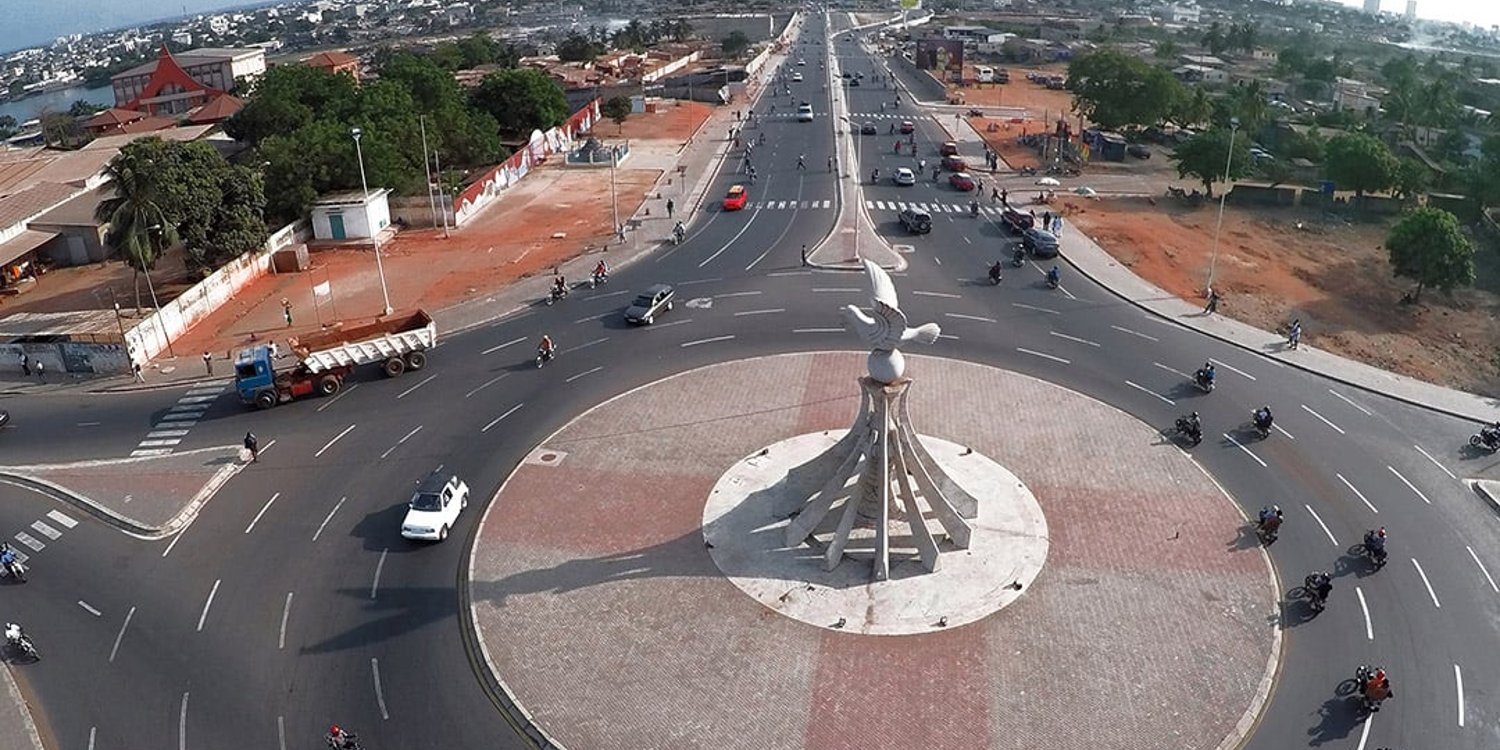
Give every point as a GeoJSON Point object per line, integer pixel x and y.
{"type": "Point", "coordinates": [374, 231]}
{"type": "Point", "coordinates": [1234, 125]}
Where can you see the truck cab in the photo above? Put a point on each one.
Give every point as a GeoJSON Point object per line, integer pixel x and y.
{"type": "Point", "coordinates": [253, 373]}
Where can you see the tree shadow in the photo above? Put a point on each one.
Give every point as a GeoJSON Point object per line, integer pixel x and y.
{"type": "Point", "coordinates": [1245, 539]}
{"type": "Point", "coordinates": [396, 612]}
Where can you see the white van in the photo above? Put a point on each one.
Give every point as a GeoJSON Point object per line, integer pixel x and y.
{"type": "Point", "coordinates": [985, 73]}
{"type": "Point", "coordinates": [804, 113]}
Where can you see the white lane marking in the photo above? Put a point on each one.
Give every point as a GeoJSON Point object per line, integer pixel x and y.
{"type": "Point", "coordinates": [1409, 485]}
{"type": "Point", "coordinates": [1483, 570]}
{"type": "Point", "coordinates": [335, 439]}
{"type": "Point", "coordinates": [208, 603]}
{"type": "Point", "coordinates": [1426, 582]}
{"type": "Point", "coordinates": [760, 312]}
{"type": "Point", "coordinates": [600, 316]}
{"type": "Point", "coordinates": [281, 731]}
{"type": "Point", "coordinates": [167, 433]}
{"type": "Point", "coordinates": [1143, 389]}
{"type": "Point", "coordinates": [89, 608]}
{"type": "Point", "coordinates": [944, 295]}
{"type": "Point", "coordinates": [1435, 462]}
{"type": "Point", "coordinates": [1178, 373]}
{"type": "Point", "coordinates": [611, 294]}
{"type": "Point", "coordinates": [61, 518]}
{"type": "Point", "coordinates": [1035, 308]}
{"type": "Point", "coordinates": [286, 611]}
{"type": "Point", "coordinates": [262, 512]}
{"type": "Point", "coordinates": [1364, 734]}
{"type": "Point", "coordinates": [1136, 333]}
{"type": "Point", "coordinates": [496, 420]}
{"type": "Point", "coordinates": [1242, 447]}
{"type": "Point", "coordinates": [487, 384]}
{"type": "Point", "coordinates": [150, 452]}
{"type": "Point", "coordinates": [790, 273]}
{"type": "Point", "coordinates": [1073, 338]}
{"type": "Point", "coordinates": [379, 694]}
{"type": "Point", "coordinates": [1363, 607]}
{"type": "Point", "coordinates": [1356, 491]}
{"type": "Point", "coordinates": [1232, 368]}
{"type": "Point", "coordinates": [414, 431]}
{"type": "Point", "coordinates": [30, 541]}
{"type": "Point", "coordinates": [1064, 290]}
{"type": "Point", "coordinates": [1458, 681]}
{"type": "Point", "coordinates": [425, 381]}
{"type": "Point", "coordinates": [760, 257]}
{"type": "Point", "coordinates": [976, 318]}
{"type": "Point", "coordinates": [92, 730]}
{"type": "Point", "coordinates": [214, 391]}
{"type": "Point", "coordinates": [340, 395]}
{"type": "Point", "coordinates": [1346, 400]}
{"type": "Point", "coordinates": [703, 281]}
{"type": "Point", "coordinates": [732, 240]}
{"type": "Point", "coordinates": [503, 345]}
{"type": "Point", "coordinates": [158, 443]}
{"type": "Point", "coordinates": [817, 330]}
{"type": "Point", "coordinates": [837, 289]}
{"type": "Point", "coordinates": [585, 372]}
{"type": "Point", "coordinates": [1319, 519]}
{"type": "Point", "coordinates": [45, 530]}
{"type": "Point", "coordinates": [177, 420]}
{"type": "Point", "coordinates": [175, 539]}
{"type": "Point", "coordinates": [1283, 431]}
{"type": "Point", "coordinates": [186, 400]}
{"type": "Point", "coordinates": [727, 295]}
{"type": "Point", "coordinates": [687, 344]}
{"type": "Point", "coordinates": [1044, 356]}
{"type": "Point", "coordinates": [182, 724]}
{"type": "Point", "coordinates": [121, 635]}
{"type": "Point", "coordinates": [938, 260]}
{"type": "Point", "coordinates": [379, 566]}
{"type": "Point", "coordinates": [197, 409]}
{"type": "Point", "coordinates": [659, 326]}
{"type": "Point", "coordinates": [328, 517]}
{"type": "Point", "coordinates": [1324, 419]}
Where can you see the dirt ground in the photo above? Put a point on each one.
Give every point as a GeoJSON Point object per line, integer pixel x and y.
{"type": "Point", "coordinates": [96, 286]}
{"type": "Point", "coordinates": [1331, 274]}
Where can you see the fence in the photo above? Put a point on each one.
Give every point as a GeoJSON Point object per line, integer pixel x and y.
{"type": "Point", "coordinates": [487, 188]}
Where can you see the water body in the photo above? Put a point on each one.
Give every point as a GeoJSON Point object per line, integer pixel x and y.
{"type": "Point", "coordinates": [35, 23]}
{"type": "Point", "coordinates": [57, 101]}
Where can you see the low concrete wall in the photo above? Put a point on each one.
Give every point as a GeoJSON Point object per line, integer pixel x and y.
{"type": "Point", "coordinates": [416, 211]}
{"type": "Point", "coordinates": [919, 82]}
{"type": "Point", "coordinates": [1261, 195]}
{"type": "Point", "coordinates": [67, 356]}
{"type": "Point", "coordinates": [492, 184]}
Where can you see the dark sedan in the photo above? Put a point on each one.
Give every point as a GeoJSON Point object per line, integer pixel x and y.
{"type": "Point", "coordinates": [650, 303]}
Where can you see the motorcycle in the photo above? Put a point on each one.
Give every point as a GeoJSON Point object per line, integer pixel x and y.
{"type": "Point", "coordinates": [1204, 383]}
{"type": "Point", "coordinates": [995, 276]}
{"type": "Point", "coordinates": [1018, 258]}
{"type": "Point", "coordinates": [1028, 171]}
{"type": "Point", "coordinates": [1268, 529]}
{"type": "Point", "coordinates": [976, 113]}
{"type": "Point", "coordinates": [17, 570]}
{"type": "Point", "coordinates": [875, 177]}
{"type": "Point", "coordinates": [1375, 550]}
{"type": "Point", "coordinates": [21, 642]}
{"type": "Point", "coordinates": [597, 278]}
{"type": "Point", "coordinates": [544, 356]}
{"type": "Point", "coordinates": [1053, 282]}
{"type": "Point", "coordinates": [1310, 586]}
{"type": "Point", "coordinates": [1486, 440]}
{"type": "Point", "coordinates": [556, 294]}
{"type": "Point", "coordinates": [1262, 428]}
{"type": "Point", "coordinates": [1187, 429]}
{"type": "Point", "coordinates": [349, 741]}
{"type": "Point", "coordinates": [1362, 676]}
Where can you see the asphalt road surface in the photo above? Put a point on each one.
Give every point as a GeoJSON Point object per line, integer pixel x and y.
{"type": "Point", "coordinates": [292, 602]}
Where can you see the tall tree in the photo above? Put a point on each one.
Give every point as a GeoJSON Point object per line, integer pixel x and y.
{"type": "Point", "coordinates": [577, 47]}
{"type": "Point", "coordinates": [1194, 108]}
{"type": "Point", "coordinates": [1428, 247]}
{"type": "Point", "coordinates": [521, 101]}
{"type": "Point", "coordinates": [1248, 102]}
{"type": "Point", "coordinates": [735, 44]}
{"type": "Point", "coordinates": [1360, 162]}
{"type": "Point", "coordinates": [616, 108]}
{"type": "Point", "coordinates": [136, 224]}
{"type": "Point", "coordinates": [1410, 180]}
{"type": "Point", "coordinates": [1206, 155]}
{"type": "Point", "coordinates": [1113, 90]}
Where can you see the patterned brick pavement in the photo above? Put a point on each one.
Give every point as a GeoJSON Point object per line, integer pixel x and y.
{"type": "Point", "coordinates": [604, 614]}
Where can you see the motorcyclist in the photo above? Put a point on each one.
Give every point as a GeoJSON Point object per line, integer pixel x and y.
{"type": "Point", "coordinates": [875, 176]}
{"type": "Point", "coordinates": [995, 274]}
{"type": "Point", "coordinates": [8, 558]}
{"type": "Point", "coordinates": [1192, 425]}
{"type": "Point", "coordinates": [1263, 419]}
{"type": "Point", "coordinates": [1054, 277]}
{"type": "Point", "coordinates": [1490, 433]}
{"type": "Point", "coordinates": [1375, 542]}
{"type": "Point", "coordinates": [1206, 374]}
{"type": "Point", "coordinates": [339, 739]}
{"type": "Point", "coordinates": [1319, 584]}
{"type": "Point", "coordinates": [1270, 519]}
{"type": "Point", "coordinates": [1019, 256]}
{"type": "Point", "coordinates": [678, 232]}
{"type": "Point", "coordinates": [559, 286]}
{"type": "Point", "coordinates": [545, 348]}
{"type": "Point", "coordinates": [601, 270]}
{"type": "Point", "coordinates": [973, 207]}
{"type": "Point", "coordinates": [1377, 688]}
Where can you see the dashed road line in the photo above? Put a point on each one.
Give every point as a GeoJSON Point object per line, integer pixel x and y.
{"type": "Point", "coordinates": [1319, 519]}
{"type": "Point", "coordinates": [1232, 368]}
{"type": "Point", "coordinates": [182, 724]}
{"type": "Point", "coordinates": [1347, 400]}
{"type": "Point", "coordinates": [1483, 570]}
{"type": "Point", "coordinates": [714, 339]}
{"type": "Point", "coordinates": [975, 318]}
{"type": "Point", "coordinates": [1044, 356]}
{"type": "Point", "coordinates": [585, 372]}
{"type": "Point", "coordinates": [330, 443]}
{"type": "Point", "coordinates": [328, 518]}
{"type": "Point", "coordinates": [208, 603]}
{"type": "Point", "coordinates": [1357, 493]}
{"type": "Point", "coordinates": [286, 611]}
{"type": "Point", "coordinates": [262, 512]}
{"type": "Point", "coordinates": [660, 326]}
{"type": "Point", "coordinates": [1035, 308]}
{"type": "Point", "coordinates": [379, 693]}
{"type": "Point", "coordinates": [1365, 608]}
{"type": "Point", "coordinates": [944, 295]}
{"type": "Point", "coordinates": [1426, 582]}
{"type": "Point", "coordinates": [1073, 338]}
{"type": "Point", "coordinates": [837, 289]}
{"type": "Point", "coordinates": [1143, 389]}
{"type": "Point", "coordinates": [585, 345]}
{"type": "Point", "coordinates": [379, 566]}
{"type": "Point", "coordinates": [1324, 419]}
{"type": "Point", "coordinates": [728, 295]}
{"type": "Point", "coordinates": [1136, 333]}
{"type": "Point", "coordinates": [1409, 485]}
{"type": "Point", "coordinates": [89, 608]}
{"type": "Point", "coordinates": [1458, 681]}
{"type": "Point", "coordinates": [1247, 451]}
{"type": "Point", "coordinates": [1435, 462]}
{"type": "Point", "coordinates": [817, 330]}
{"type": "Point", "coordinates": [1174, 371]}
{"type": "Point", "coordinates": [768, 311]}
{"type": "Point", "coordinates": [398, 444]}
{"type": "Point", "coordinates": [487, 384]}
{"type": "Point", "coordinates": [342, 393]}
{"type": "Point", "coordinates": [121, 635]}
{"type": "Point", "coordinates": [600, 316]}
{"type": "Point", "coordinates": [424, 381]}
{"type": "Point", "coordinates": [496, 420]}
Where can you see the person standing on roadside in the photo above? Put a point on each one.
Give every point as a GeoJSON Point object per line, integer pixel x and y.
{"type": "Point", "coordinates": [670, 206]}
{"type": "Point", "coordinates": [253, 446]}
{"type": "Point", "coordinates": [1213, 303]}
{"type": "Point", "coordinates": [135, 368]}
{"type": "Point", "coordinates": [41, 372]}
{"type": "Point", "coordinates": [208, 363]}
{"type": "Point", "coordinates": [25, 364]}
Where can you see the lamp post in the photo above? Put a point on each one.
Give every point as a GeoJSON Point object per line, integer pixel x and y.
{"type": "Point", "coordinates": [364, 206]}
{"type": "Point", "coordinates": [614, 203]}
{"type": "Point", "coordinates": [1234, 125]}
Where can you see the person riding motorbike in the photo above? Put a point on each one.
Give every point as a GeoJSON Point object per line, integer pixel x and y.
{"type": "Point", "coordinates": [1270, 521]}
{"type": "Point", "coordinates": [1318, 584]}
{"type": "Point", "coordinates": [874, 176]}
{"type": "Point", "coordinates": [995, 275]}
{"type": "Point", "coordinates": [559, 286]}
{"type": "Point", "coordinates": [1375, 687]}
{"type": "Point", "coordinates": [10, 561]}
{"type": "Point", "coordinates": [545, 348]}
{"type": "Point", "coordinates": [1375, 544]}
{"type": "Point", "coordinates": [1054, 277]}
{"type": "Point", "coordinates": [601, 271]}
{"type": "Point", "coordinates": [1263, 419]}
{"type": "Point", "coordinates": [1206, 375]}
{"type": "Point", "coordinates": [339, 738]}
{"type": "Point", "coordinates": [1018, 258]}
{"type": "Point", "coordinates": [1192, 427]}
{"type": "Point", "coordinates": [1490, 434]}
{"type": "Point", "coordinates": [18, 639]}
{"type": "Point", "coordinates": [973, 207]}
{"type": "Point", "coordinates": [678, 233]}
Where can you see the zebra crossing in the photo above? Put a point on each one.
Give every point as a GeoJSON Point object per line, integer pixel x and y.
{"type": "Point", "coordinates": [45, 529]}
{"type": "Point", "coordinates": [933, 208]}
{"type": "Point", "coordinates": [179, 419]}
{"type": "Point", "coordinates": [788, 205]}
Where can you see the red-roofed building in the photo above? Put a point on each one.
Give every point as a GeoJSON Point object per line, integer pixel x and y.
{"type": "Point", "coordinates": [335, 63]}
{"type": "Point", "coordinates": [177, 84]}
{"type": "Point", "coordinates": [111, 121]}
{"type": "Point", "coordinates": [216, 111]}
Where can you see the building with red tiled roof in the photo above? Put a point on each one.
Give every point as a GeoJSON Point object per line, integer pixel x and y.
{"type": "Point", "coordinates": [335, 62]}
{"type": "Point", "coordinates": [111, 120]}
{"type": "Point", "coordinates": [216, 111]}
{"type": "Point", "coordinates": [177, 84]}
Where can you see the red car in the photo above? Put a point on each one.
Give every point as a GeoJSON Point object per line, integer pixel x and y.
{"type": "Point", "coordinates": [948, 149]}
{"type": "Point", "coordinates": [908, 127]}
{"type": "Point", "coordinates": [961, 181]}
{"type": "Point", "coordinates": [955, 163]}
{"type": "Point", "coordinates": [736, 198]}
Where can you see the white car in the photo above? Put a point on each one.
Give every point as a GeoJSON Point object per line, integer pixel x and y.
{"type": "Point", "coordinates": [434, 507]}
{"type": "Point", "coordinates": [905, 177]}
{"type": "Point", "coordinates": [801, 62]}
{"type": "Point", "coordinates": [796, 78]}
{"type": "Point", "coordinates": [804, 113]}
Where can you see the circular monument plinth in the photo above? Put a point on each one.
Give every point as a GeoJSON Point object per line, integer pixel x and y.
{"type": "Point", "coordinates": [749, 509]}
{"type": "Point", "coordinates": [604, 611]}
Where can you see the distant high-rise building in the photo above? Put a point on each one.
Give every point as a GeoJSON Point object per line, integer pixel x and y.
{"type": "Point", "coordinates": [1372, 7]}
{"type": "Point", "coordinates": [1411, 10]}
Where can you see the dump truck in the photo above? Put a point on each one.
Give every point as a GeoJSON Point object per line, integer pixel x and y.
{"type": "Point", "coordinates": [326, 358]}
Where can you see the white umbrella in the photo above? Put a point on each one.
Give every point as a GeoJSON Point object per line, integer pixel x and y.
{"type": "Point", "coordinates": [1048, 182]}
{"type": "Point", "coordinates": [1085, 191]}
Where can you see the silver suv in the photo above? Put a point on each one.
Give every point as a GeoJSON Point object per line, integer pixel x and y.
{"type": "Point", "coordinates": [916, 220]}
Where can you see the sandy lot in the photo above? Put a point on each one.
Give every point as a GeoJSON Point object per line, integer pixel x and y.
{"type": "Point", "coordinates": [1331, 274]}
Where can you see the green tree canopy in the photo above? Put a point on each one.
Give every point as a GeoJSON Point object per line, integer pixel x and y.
{"type": "Point", "coordinates": [1113, 90]}
{"type": "Point", "coordinates": [288, 97]}
{"type": "Point", "coordinates": [521, 101]}
{"type": "Point", "coordinates": [1411, 179]}
{"type": "Point", "coordinates": [1360, 162]}
{"type": "Point", "coordinates": [1428, 247]}
{"type": "Point", "coordinates": [735, 44]}
{"type": "Point", "coordinates": [576, 47]}
{"type": "Point", "coordinates": [1203, 157]}
{"type": "Point", "coordinates": [616, 108]}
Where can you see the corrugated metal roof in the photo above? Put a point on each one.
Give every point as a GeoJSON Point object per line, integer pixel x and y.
{"type": "Point", "coordinates": [33, 202]}
{"type": "Point", "coordinates": [23, 243]}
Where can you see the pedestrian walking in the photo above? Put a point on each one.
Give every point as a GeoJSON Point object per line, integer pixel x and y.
{"type": "Point", "coordinates": [804, 255]}
{"type": "Point", "coordinates": [830, 163]}
{"type": "Point", "coordinates": [752, 175]}
{"type": "Point", "coordinates": [25, 365]}
{"type": "Point", "coordinates": [979, 186]}
{"type": "Point", "coordinates": [286, 311]}
{"type": "Point", "coordinates": [1213, 303]}
{"type": "Point", "coordinates": [135, 368]}
{"type": "Point", "coordinates": [994, 194]}
{"type": "Point", "coordinates": [1047, 220]}
{"type": "Point", "coordinates": [1004, 197]}
{"type": "Point", "coordinates": [208, 363]}
{"type": "Point", "coordinates": [253, 446]}
{"type": "Point", "coordinates": [670, 205]}
{"type": "Point", "coordinates": [801, 161]}
{"type": "Point", "coordinates": [41, 371]}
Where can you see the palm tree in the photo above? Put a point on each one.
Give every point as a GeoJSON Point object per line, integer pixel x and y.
{"type": "Point", "coordinates": [1248, 101]}
{"type": "Point", "coordinates": [137, 224]}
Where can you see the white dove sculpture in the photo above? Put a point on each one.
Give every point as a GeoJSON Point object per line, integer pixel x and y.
{"type": "Point", "coordinates": [886, 330]}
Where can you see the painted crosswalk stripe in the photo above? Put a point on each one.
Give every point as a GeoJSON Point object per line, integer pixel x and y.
{"type": "Point", "coordinates": [827, 204]}
{"type": "Point", "coordinates": [30, 541]}
{"type": "Point", "coordinates": [215, 391]}
{"type": "Point", "coordinates": [158, 443]}
{"type": "Point", "coordinates": [149, 452]}
{"type": "Point", "coordinates": [198, 408]}
{"type": "Point", "coordinates": [166, 433]}
{"type": "Point", "coordinates": [176, 423]}
{"type": "Point", "coordinates": [196, 399]}
{"type": "Point", "coordinates": [45, 530]}
{"type": "Point", "coordinates": [62, 519]}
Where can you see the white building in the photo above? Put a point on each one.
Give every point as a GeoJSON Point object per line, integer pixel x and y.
{"type": "Point", "coordinates": [1411, 10]}
{"type": "Point", "coordinates": [350, 215]}
{"type": "Point", "coordinates": [1372, 7]}
{"type": "Point", "coordinates": [1183, 13]}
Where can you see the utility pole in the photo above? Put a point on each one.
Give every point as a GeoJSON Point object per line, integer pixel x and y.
{"type": "Point", "coordinates": [427, 167]}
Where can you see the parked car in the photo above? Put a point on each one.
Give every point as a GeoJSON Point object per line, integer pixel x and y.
{"type": "Point", "coordinates": [853, 81]}
{"type": "Point", "coordinates": [1138, 151]}
{"type": "Point", "coordinates": [908, 127]}
{"type": "Point", "coordinates": [736, 198]}
{"type": "Point", "coordinates": [904, 177]}
{"type": "Point", "coordinates": [434, 507]}
{"type": "Point", "coordinates": [650, 303]}
{"type": "Point", "coordinates": [916, 220]}
{"type": "Point", "coordinates": [955, 164]}
{"type": "Point", "coordinates": [868, 129]}
{"type": "Point", "coordinates": [1017, 221]}
{"type": "Point", "coordinates": [948, 149]}
{"type": "Point", "coordinates": [804, 113]}
{"type": "Point", "coordinates": [961, 181]}
{"type": "Point", "coordinates": [1039, 242]}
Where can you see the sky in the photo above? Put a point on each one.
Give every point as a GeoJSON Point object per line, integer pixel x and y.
{"type": "Point", "coordinates": [33, 23]}
{"type": "Point", "coordinates": [1479, 12]}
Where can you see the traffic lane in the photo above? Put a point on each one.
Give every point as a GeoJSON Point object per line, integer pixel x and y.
{"type": "Point", "coordinates": [73, 426]}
